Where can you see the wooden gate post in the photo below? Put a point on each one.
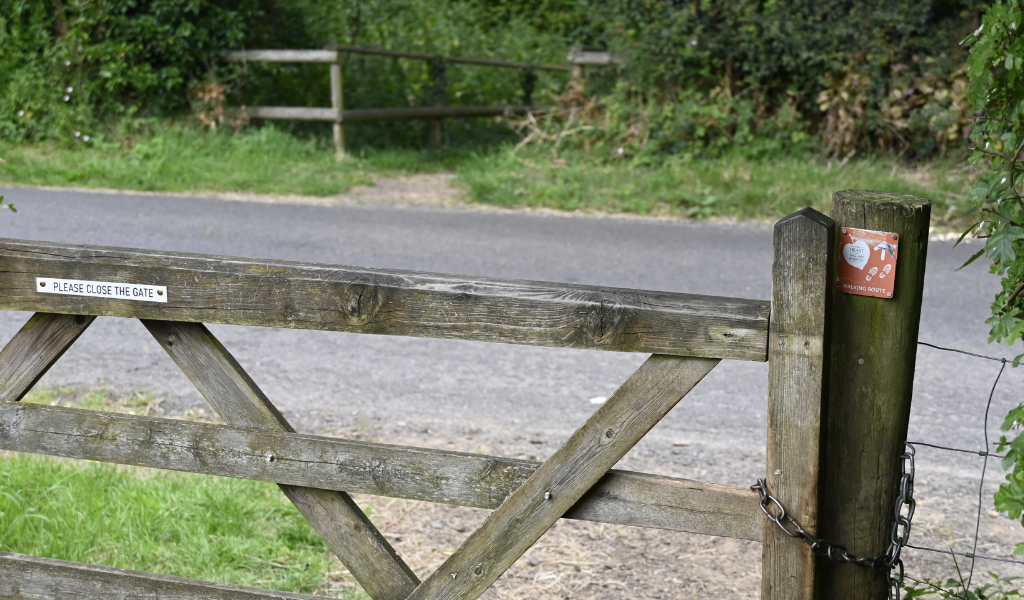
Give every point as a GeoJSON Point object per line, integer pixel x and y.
{"type": "Point", "coordinates": [798, 361]}
{"type": "Point", "coordinates": [874, 348]}
{"type": "Point", "coordinates": [338, 105]}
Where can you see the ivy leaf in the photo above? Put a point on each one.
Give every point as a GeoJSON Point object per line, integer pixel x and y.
{"type": "Point", "coordinates": [1000, 246]}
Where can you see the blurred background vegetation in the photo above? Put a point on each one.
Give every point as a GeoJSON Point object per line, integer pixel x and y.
{"type": "Point", "coordinates": [697, 76]}
{"type": "Point", "coordinates": [765, 80]}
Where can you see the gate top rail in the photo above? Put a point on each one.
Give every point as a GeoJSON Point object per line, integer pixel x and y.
{"type": "Point", "coordinates": [273, 293]}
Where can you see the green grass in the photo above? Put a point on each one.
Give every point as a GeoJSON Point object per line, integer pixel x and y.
{"type": "Point", "coordinates": [210, 528]}
{"type": "Point", "coordinates": [180, 159]}
{"type": "Point", "coordinates": [730, 186]}
{"type": "Point", "coordinates": [177, 158]}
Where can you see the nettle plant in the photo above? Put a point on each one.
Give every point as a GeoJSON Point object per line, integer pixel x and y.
{"type": "Point", "coordinates": [996, 74]}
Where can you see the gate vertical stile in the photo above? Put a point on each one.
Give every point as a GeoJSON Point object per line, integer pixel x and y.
{"type": "Point", "coordinates": [798, 369]}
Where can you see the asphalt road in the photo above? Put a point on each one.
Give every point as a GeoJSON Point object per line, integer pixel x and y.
{"type": "Point", "coordinates": [393, 388]}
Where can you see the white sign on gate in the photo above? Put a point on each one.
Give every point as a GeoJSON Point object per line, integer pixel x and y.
{"type": "Point", "coordinates": [102, 289]}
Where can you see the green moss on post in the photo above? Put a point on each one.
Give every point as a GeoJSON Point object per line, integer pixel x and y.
{"type": "Point", "coordinates": [874, 348]}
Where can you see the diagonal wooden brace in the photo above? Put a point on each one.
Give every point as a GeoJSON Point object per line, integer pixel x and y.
{"type": "Point", "coordinates": [34, 349]}
{"type": "Point", "coordinates": [560, 482]}
{"type": "Point", "coordinates": [334, 515]}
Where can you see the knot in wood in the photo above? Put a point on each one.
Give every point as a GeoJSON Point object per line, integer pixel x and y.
{"type": "Point", "coordinates": [604, 322]}
{"type": "Point", "coordinates": [360, 302]}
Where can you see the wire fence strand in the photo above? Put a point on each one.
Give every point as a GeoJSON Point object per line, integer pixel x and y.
{"type": "Point", "coordinates": [984, 454]}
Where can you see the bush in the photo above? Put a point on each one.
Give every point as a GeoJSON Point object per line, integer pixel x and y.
{"type": "Point", "coordinates": [63, 67]}
{"type": "Point", "coordinates": [884, 75]}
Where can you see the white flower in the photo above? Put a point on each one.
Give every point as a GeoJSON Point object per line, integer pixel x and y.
{"type": "Point", "coordinates": [70, 89]}
{"type": "Point", "coordinates": [620, 151]}
{"type": "Point", "coordinates": [67, 63]}
{"type": "Point", "coordinates": [1003, 181]}
{"type": "Point", "coordinates": [66, 98]}
{"type": "Point", "coordinates": [78, 133]}
{"type": "Point", "coordinates": [21, 113]}
{"type": "Point", "coordinates": [85, 138]}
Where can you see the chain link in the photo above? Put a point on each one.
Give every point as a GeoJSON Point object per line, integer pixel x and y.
{"type": "Point", "coordinates": [903, 513]}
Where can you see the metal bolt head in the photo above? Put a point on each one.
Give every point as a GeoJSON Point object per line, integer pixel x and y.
{"type": "Point", "coordinates": [42, 284]}
{"type": "Point", "coordinates": [844, 231]}
{"type": "Point", "coordinates": [547, 495]}
{"type": "Point", "coordinates": [889, 294]}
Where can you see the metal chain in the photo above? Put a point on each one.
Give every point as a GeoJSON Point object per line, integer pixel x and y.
{"type": "Point", "coordinates": [898, 538]}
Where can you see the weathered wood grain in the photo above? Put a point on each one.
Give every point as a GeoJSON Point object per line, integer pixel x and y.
{"type": "Point", "coordinates": [798, 359]}
{"type": "Point", "coordinates": [24, 577]}
{"type": "Point", "coordinates": [620, 497]}
{"type": "Point", "coordinates": [560, 482]}
{"type": "Point", "coordinates": [217, 289]}
{"type": "Point", "coordinates": [343, 526]}
{"type": "Point", "coordinates": [874, 350]}
{"type": "Point", "coordinates": [34, 349]}
{"type": "Point", "coordinates": [283, 56]}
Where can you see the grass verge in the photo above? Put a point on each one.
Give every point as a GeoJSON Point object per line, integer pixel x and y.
{"type": "Point", "coordinates": [176, 158]}
{"type": "Point", "coordinates": [731, 186]}
{"type": "Point", "coordinates": [210, 528]}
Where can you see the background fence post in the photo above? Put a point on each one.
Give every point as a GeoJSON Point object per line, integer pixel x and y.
{"type": "Point", "coordinates": [798, 365]}
{"type": "Point", "coordinates": [439, 76]}
{"type": "Point", "coordinates": [874, 348]}
{"type": "Point", "coordinates": [338, 105]}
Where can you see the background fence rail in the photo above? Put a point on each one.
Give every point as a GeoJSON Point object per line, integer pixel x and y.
{"type": "Point", "coordinates": [338, 115]}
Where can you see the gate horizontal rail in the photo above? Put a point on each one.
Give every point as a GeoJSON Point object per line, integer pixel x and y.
{"type": "Point", "coordinates": [237, 291]}
{"type": "Point", "coordinates": [446, 477]}
{"type": "Point", "coordinates": [24, 576]}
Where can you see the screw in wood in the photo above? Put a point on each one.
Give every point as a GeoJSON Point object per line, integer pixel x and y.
{"type": "Point", "coordinates": [270, 458]}
{"type": "Point", "coordinates": [42, 284]}
{"type": "Point", "coordinates": [547, 495]}
{"type": "Point", "coordinates": [455, 575]}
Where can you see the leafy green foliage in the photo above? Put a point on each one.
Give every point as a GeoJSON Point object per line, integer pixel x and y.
{"type": "Point", "coordinates": [1001, 588]}
{"type": "Point", "coordinates": [883, 75]}
{"type": "Point", "coordinates": [63, 66]}
{"type": "Point", "coordinates": [996, 73]}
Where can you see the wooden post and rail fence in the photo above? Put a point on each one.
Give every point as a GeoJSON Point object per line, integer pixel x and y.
{"type": "Point", "coordinates": [840, 375]}
{"type": "Point", "coordinates": [338, 115]}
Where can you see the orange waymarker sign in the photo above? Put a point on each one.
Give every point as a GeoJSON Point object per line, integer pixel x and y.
{"type": "Point", "coordinates": [867, 264]}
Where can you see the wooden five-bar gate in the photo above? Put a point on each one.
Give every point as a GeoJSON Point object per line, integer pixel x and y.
{"type": "Point", "coordinates": [173, 294]}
